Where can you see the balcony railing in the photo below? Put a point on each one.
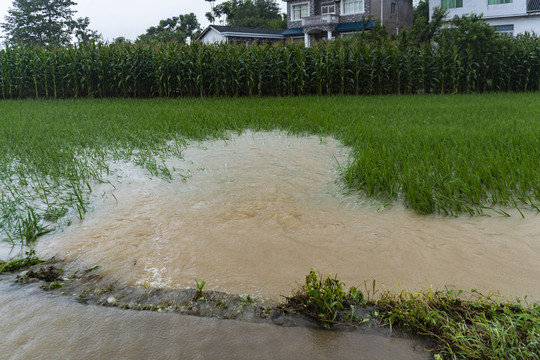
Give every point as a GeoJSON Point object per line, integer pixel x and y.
{"type": "Point", "coordinates": [533, 5]}
{"type": "Point", "coordinates": [326, 19]}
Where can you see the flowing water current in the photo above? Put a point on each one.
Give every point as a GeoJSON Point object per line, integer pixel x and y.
{"type": "Point", "coordinates": [253, 215]}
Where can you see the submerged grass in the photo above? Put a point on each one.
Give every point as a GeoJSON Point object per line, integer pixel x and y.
{"type": "Point", "coordinates": [20, 262]}
{"type": "Point", "coordinates": [436, 154]}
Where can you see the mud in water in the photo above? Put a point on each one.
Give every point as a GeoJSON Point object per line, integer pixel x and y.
{"type": "Point", "coordinates": [38, 326]}
{"type": "Point", "coordinates": [254, 214]}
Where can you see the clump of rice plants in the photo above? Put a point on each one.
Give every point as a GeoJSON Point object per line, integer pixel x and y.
{"type": "Point", "coordinates": [326, 300]}
{"type": "Point", "coordinates": [481, 327]}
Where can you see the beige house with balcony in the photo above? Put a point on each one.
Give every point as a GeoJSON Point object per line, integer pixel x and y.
{"type": "Point", "coordinates": [312, 20]}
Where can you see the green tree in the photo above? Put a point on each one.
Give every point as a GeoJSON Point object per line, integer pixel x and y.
{"type": "Point", "coordinates": [424, 30]}
{"type": "Point", "coordinates": [471, 36]}
{"type": "Point", "coordinates": [45, 23]}
{"type": "Point", "coordinates": [175, 29]}
{"type": "Point", "coordinates": [249, 13]}
{"type": "Point", "coordinates": [421, 10]}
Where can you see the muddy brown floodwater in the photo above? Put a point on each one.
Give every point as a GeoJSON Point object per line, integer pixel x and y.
{"type": "Point", "coordinates": [38, 326]}
{"type": "Point", "coordinates": [254, 214]}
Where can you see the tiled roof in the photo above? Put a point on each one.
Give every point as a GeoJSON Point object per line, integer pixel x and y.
{"type": "Point", "coordinates": [246, 30]}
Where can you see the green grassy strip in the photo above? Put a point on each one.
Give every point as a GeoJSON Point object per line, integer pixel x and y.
{"type": "Point", "coordinates": [481, 327]}
{"type": "Point", "coordinates": [436, 154]}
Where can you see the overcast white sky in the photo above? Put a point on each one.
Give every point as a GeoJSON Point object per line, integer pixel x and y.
{"type": "Point", "coordinates": [131, 18]}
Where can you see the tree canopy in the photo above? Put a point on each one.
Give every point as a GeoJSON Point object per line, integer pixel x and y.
{"type": "Point", "coordinates": [176, 29]}
{"type": "Point", "coordinates": [424, 30]}
{"type": "Point", "coordinates": [249, 13]}
{"type": "Point", "coordinates": [45, 23]}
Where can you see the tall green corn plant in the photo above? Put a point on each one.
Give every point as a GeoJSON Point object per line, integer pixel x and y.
{"type": "Point", "coordinates": [274, 69]}
{"type": "Point", "coordinates": [300, 70]}
{"type": "Point", "coordinates": [48, 71]}
{"type": "Point", "coordinates": [181, 65]}
{"type": "Point", "coordinates": [258, 56]}
{"type": "Point", "coordinates": [319, 74]}
{"type": "Point", "coordinates": [247, 65]}
{"type": "Point", "coordinates": [289, 63]}
{"type": "Point", "coordinates": [6, 69]}
{"type": "Point", "coordinates": [161, 71]}
{"type": "Point", "coordinates": [361, 68]}
{"type": "Point", "coordinates": [22, 71]}
{"type": "Point", "coordinates": [35, 64]}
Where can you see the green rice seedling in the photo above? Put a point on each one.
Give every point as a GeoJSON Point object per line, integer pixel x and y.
{"type": "Point", "coordinates": [20, 262]}
{"type": "Point", "coordinates": [30, 227]}
{"type": "Point", "coordinates": [200, 285]}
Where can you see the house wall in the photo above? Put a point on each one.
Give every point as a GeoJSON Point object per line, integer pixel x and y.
{"type": "Point", "coordinates": [522, 25]}
{"type": "Point", "coordinates": [393, 22]}
{"type": "Point", "coordinates": [315, 9]}
{"type": "Point", "coordinates": [296, 24]}
{"type": "Point", "coordinates": [517, 7]}
{"type": "Point", "coordinates": [251, 40]}
{"type": "Point", "coordinates": [372, 10]}
{"type": "Point", "coordinates": [212, 36]}
{"type": "Point", "coordinates": [514, 14]}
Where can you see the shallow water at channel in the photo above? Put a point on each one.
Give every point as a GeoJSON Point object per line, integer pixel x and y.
{"type": "Point", "coordinates": [255, 213]}
{"type": "Point", "coordinates": [38, 326]}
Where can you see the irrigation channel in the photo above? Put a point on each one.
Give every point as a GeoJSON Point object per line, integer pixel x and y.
{"type": "Point", "coordinates": [252, 215]}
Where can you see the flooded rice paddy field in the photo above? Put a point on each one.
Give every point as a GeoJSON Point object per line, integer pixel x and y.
{"type": "Point", "coordinates": [255, 213]}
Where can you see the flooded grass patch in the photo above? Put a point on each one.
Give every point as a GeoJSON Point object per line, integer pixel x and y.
{"type": "Point", "coordinates": [436, 154]}
{"type": "Point", "coordinates": [20, 262]}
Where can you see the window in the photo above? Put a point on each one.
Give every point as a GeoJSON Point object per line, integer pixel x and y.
{"type": "Point", "coordinates": [328, 8]}
{"type": "Point", "coordinates": [352, 7]}
{"type": "Point", "coordinates": [450, 4]}
{"type": "Point", "coordinates": [505, 29]}
{"type": "Point", "coordinates": [533, 5]}
{"type": "Point", "coordinates": [299, 11]}
{"type": "Point", "coordinates": [393, 8]}
{"type": "Point", "coordinates": [494, 2]}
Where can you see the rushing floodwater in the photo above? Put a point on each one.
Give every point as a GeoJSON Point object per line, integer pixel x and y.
{"type": "Point", "coordinates": [256, 213]}
{"type": "Point", "coordinates": [37, 326]}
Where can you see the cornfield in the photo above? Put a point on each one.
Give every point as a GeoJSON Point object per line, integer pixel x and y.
{"type": "Point", "coordinates": [349, 67]}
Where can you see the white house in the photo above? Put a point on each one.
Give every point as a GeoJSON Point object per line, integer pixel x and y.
{"type": "Point", "coordinates": [240, 35]}
{"type": "Point", "coordinates": [506, 16]}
